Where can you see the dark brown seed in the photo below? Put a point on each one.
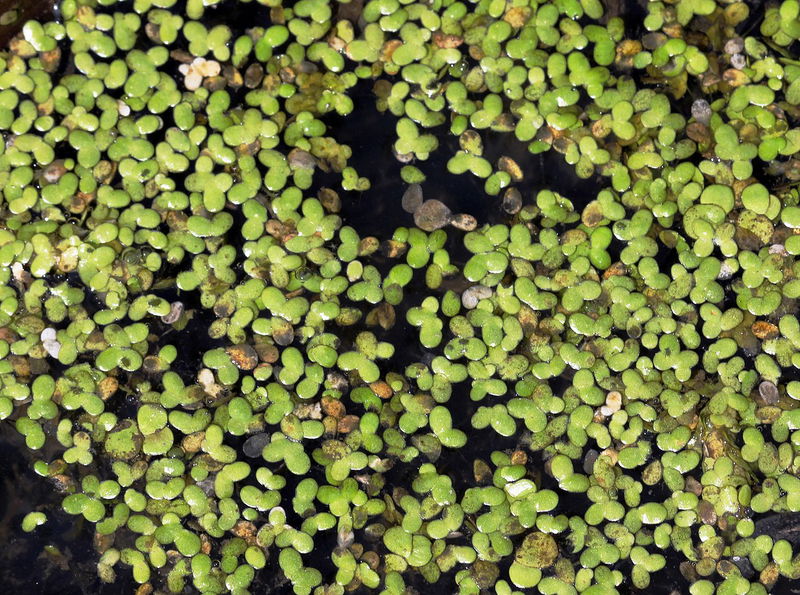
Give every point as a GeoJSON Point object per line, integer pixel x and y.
{"type": "Point", "coordinates": [330, 200]}
{"type": "Point", "coordinates": [299, 159]}
{"type": "Point", "coordinates": [432, 215]}
{"type": "Point", "coordinates": [412, 198]}
{"type": "Point", "coordinates": [511, 167]}
{"type": "Point", "coordinates": [768, 392]}
{"type": "Point", "coordinates": [253, 76]}
{"type": "Point", "coordinates": [512, 201]}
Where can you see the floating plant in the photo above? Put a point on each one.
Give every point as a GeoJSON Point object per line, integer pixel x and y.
{"type": "Point", "coordinates": [227, 377]}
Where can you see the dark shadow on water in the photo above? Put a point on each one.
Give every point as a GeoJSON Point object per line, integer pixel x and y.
{"type": "Point", "coordinates": [25, 566]}
{"type": "Point", "coordinates": [377, 211]}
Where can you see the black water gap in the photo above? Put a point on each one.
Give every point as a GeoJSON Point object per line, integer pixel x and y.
{"type": "Point", "coordinates": [370, 134]}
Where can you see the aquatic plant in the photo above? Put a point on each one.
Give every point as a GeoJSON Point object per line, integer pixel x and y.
{"type": "Point", "coordinates": [563, 396]}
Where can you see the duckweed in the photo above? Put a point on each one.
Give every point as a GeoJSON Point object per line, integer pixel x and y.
{"type": "Point", "coordinates": [220, 369]}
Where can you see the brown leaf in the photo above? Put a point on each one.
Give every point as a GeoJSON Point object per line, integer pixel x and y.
{"type": "Point", "coordinates": [348, 423]}
{"type": "Point", "coordinates": [764, 330]}
{"type": "Point", "coordinates": [243, 356]}
{"type": "Point", "coordinates": [382, 389]}
{"type": "Point", "coordinates": [735, 78]}
{"type": "Point", "coordinates": [517, 16]}
{"type": "Point", "coordinates": [333, 407]}
{"type": "Point", "coordinates": [442, 40]}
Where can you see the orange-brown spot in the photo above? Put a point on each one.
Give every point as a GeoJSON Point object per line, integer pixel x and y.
{"type": "Point", "coordinates": [107, 387]}
{"type": "Point", "coordinates": [382, 389]}
{"type": "Point", "coordinates": [333, 407]}
{"type": "Point", "coordinates": [517, 16]}
{"type": "Point", "coordinates": [389, 48]}
{"type": "Point", "coordinates": [348, 423]}
{"type": "Point", "coordinates": [441, 40]}
{"type": "Point", "coordinates": [615, 270]}
{"type": "Point", "coordinates": [764, 330]}
{"type": "Point", "coordinates": [243, 356]}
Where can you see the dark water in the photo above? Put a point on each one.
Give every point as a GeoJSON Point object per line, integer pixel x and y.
{"type": "Point", "coordinates": [25, 565]}
{"type": "Point", "coordinates": [28, 9]}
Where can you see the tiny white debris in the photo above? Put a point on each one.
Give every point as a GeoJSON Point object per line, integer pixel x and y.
{"type": "Point", "coordinates": [205, 377]}
{"type": "Point", "coordinates": [20, 274]}
{"type": "Point", "coordinates": [53, 348]}
{"type": "Point", "coordinates": [735, 45]}
{"type": "Point", "coordinates": [344, 538]}
{"type": "Point", "coordinates": [725, 271]}
{"type": "Point", "coordinates": [613, 403]}
{"type": "Point", "coordinates": [193, 81]}
{"type": "Point", "coordinates": [175, 312]}
{"type": "Point", "coordinates": [738, 61]}
{"type": "Point", "coordinates": [49, 342]}
{"type": "Point", "coordinates": [471, 296]}
{"type": "Point", "coordinates": [199, 69]}
{"type": "Point", "coordinates": [778, 249]}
